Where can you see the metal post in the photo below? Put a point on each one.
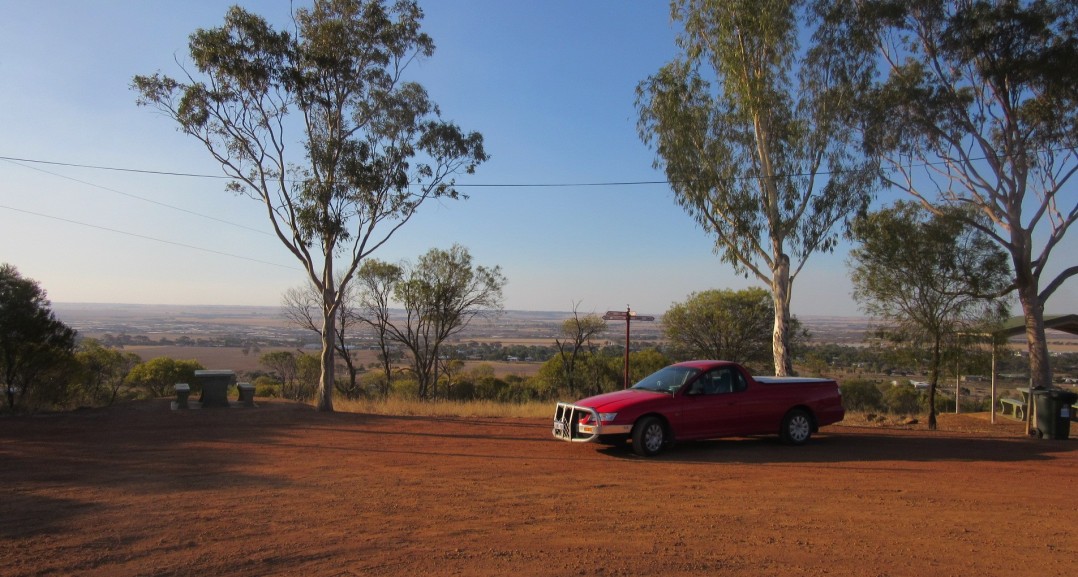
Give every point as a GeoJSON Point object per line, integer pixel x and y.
{"type": "Point", "coordinates": [993, 383]}
{"type": "Point", "coordinates": [628, 317]}
{"type": "Point", "coordinates": [957, 383]}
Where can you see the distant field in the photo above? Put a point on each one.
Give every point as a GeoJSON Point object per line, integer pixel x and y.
{"type": "Point", "coordinates": [211, 357]}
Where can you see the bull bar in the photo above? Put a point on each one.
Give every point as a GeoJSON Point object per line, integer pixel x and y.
{"type": "Point", "coordinates": [567, 423]}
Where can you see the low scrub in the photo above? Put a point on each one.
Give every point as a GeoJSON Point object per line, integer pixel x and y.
{"type": "Point", "coordinates": [442, 408]}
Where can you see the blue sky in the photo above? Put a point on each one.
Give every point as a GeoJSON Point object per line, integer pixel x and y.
{"type": "Point", "coordinates": [549, 84]}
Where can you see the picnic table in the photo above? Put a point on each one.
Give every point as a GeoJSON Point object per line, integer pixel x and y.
{"type": "Point", "coordinates": [215, 386]}
{"type": "Point", "coordinates": [1014, 408]}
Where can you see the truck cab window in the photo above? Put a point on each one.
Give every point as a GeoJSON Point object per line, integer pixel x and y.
{"type": "Point", "coordinates": [716, 382]}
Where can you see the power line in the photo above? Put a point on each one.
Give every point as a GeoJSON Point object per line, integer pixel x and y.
{"type": "Point", "coordinates": [112, 168]}
{"type": "Point", "coordinates": [16, 161]}
{"type": "Point", "coordinates": [142, 236]}
{"type": "Point", "coordinates": [135, 196]}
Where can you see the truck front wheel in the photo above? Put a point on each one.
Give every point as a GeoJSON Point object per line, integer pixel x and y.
{"type": "Point", "coordinates": [649, 436]}
{"type": "Point", "coordinates": [796, 427]}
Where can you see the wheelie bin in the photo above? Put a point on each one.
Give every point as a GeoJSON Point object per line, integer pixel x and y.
{"type": "Point", "coordinates": [1054, 412]}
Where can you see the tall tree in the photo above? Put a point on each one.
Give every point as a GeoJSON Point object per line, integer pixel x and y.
{"type": "Point", "coordinates": [928, 277]}
{"type": "Point", "coordinates": [32, 340]}
{"type": "Point", "coordinates": [441, 295]}
{"type": "Point", "coordinates": [576, 337]}
{"type": "Point", "coordinates": [369, 147]}
{"type": "Point", "coordinates": [976, 105]}
{"type": "Point", "coordinates": [745, 123]}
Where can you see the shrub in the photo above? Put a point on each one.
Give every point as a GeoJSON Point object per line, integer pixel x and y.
{"type": "Point", "coordinates": [903, 399]}
{"type": "Point", "coordinates": [462, 391]}
{"type": "Point", "coordinates": [267, 387]}
{"type": "Point", "coordinates": [861, 395]}
{"type": "Point", "coordinates": [405, 389]}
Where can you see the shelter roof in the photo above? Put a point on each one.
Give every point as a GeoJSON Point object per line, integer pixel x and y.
{"type": "Point", "coordinates": [1015, 326]}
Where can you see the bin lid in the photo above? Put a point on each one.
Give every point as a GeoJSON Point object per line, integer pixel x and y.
{"type": "Point", "coordinates": [1057, 394]}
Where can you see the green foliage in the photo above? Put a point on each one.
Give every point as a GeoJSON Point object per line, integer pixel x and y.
{"type": "Point", "coordinates": [308, 373]}
{"type": "Point", "coordinates": [722, 324]}
{"type": "Point", "coordinates": [599, 373]}
{"type": "Point", "coordinates": [405, 389]}
{"type": "Point", "coordinates": [103, 372]}
{"type": "Point", "coordinates": [34, 345]}
{"type": "Point", "coordinates": [518, 391]}
{"type": "Point", "coordinates": [157, 377]}
{"type": "Point", "coordinates": [481, 385]}
{"type": "Point", "coordinates": [903, 400]}
{"type": "Point", "coordinates": [861, 395]}
{"type": "Point", "coordinates": [374, 382]}
{"type": "Point", "coordinates": [929, 271]}
{"type": "Point", "coordinates": [643, 363]}
{"type": "Point", "coordinates": [266, 386]}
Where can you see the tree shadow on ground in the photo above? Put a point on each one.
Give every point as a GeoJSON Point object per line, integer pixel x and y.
{"type": "Point", "coordinates": [861, 446]}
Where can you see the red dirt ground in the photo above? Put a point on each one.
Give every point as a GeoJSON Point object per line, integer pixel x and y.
{"type": "Point", "coordinates": [283, 490]}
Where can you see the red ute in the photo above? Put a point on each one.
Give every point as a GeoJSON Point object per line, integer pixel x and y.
{"type": "Point", "coordinates": [701, 400]}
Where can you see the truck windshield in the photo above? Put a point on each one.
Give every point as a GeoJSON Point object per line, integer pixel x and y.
{"type": "Point", "coordinates": [667, 380]}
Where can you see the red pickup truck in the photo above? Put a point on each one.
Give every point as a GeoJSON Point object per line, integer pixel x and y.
{"type": "Point", "coordinates": [701, 400]}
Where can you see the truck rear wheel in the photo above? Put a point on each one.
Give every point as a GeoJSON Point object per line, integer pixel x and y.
{"type": "Point", "coordinates": [796, 427]}
{"type": "Point", "coordinates": [649, 436]}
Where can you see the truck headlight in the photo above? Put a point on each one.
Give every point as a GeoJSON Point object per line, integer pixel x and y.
{"type": "Point", "coordinates": [607, 417]}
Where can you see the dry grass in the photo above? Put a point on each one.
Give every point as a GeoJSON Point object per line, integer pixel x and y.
{"type": "Point", "coordinates": [979, 423]}
{"type": "Point", "coordinates": [414, 408]}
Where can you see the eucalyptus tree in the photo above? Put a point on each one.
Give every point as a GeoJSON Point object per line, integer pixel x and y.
{"type": "Point", "coordinates": [746, 124]}
{"type": "Point", "coordinates": [442, 293]}
{"type": "Point", "coordinates": [975, 104]}
{"type": "Point", "coordinates": [364, 150]}
{"type": "Point", "coordinates": [929, 277]}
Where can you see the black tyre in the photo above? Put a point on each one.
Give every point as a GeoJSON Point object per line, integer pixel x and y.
{"type": "Point", "coordinates": [796, 427]}
{"type": "Point", "coordinates": [649, 436]}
